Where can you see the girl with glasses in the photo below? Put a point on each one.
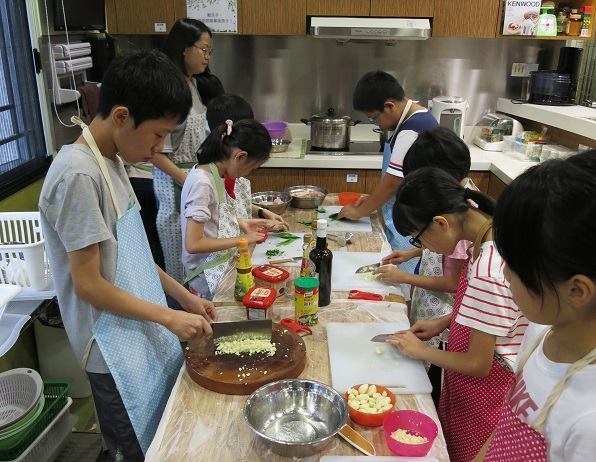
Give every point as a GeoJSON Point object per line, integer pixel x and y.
{"type": "Point", "coordinates": [485, 327]}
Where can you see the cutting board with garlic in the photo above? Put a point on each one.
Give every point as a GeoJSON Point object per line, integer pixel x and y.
{"type": "Point", "coordinates": [354, 359]}
{"type": "Point", "coordinates": [238, 369]}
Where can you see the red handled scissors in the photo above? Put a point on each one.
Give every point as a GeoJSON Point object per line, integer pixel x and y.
{"type": "Point", "coordinates": [291, 324]}
{"type": "Point", "coordinates": [360, 295]}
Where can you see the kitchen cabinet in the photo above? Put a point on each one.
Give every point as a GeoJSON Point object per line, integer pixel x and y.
{"type": "Point", "coordinates": [275, 179]}
{"type": "Point", "coordinates": [338, 7]}
{"type": "Point", "coordinates": [481, 180]}
{"type": "Point", "coordinates": [403, 8]}
{"type": "Point", "coordinates": [140, 17]}
{"type": "Point", "coordinates": [495, 186]}
{"type": "Point", "coordinates": [272, 17]}
{"type": "Point", "coordinates": [373, 177]}
{"type": "Point", "coordinates": [336, 180]}
{"type": "Point", "coordinates": [466, 18]}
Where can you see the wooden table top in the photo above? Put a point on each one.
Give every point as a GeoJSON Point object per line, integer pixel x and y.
{"type": "Point", "coordinates": [199, 424]}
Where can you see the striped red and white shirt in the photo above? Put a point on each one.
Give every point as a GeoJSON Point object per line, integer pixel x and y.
{"type": "Point", "coordinates": [488, 305]}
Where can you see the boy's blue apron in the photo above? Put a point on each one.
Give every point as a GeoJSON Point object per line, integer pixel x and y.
{"type": "Point", "coordinates": [396, 240]}
{"type": "Point", "coordinates": [143, 357]}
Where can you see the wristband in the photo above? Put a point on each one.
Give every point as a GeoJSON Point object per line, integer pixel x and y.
{"type": "Point", "coordinates": [261, 213]}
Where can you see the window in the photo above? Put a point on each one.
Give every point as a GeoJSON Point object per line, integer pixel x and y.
{"type": "Point", "coordinates": [23, 155]}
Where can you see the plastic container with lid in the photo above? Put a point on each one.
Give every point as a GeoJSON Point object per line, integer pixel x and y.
{"type": "Point", "coordinates": [273, 277]}
{"type": "Point", "coordinates": [555, 151]}
{"type": "Point", "coordinates": [574, 25]}
{"type": "Point", "coordinates": [258, 301]}
{"type": "Point", "coordinates": [306, 301]}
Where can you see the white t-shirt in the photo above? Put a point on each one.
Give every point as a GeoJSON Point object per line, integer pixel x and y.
{"type": "Point", "coordinates": [403, 142]}
{"type": "Point", "coordinates": [488, 305]}
{"type": "Point", "coordinates": [570, 429]}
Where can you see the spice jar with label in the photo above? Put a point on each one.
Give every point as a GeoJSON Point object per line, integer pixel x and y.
{"type": "Point", "coordinates": [258, 301]}
{"type": "Point", "coordinates": [574, 24]}
{"type": "Point", "coordinates": [586, 29]}
{"type": "Point", "coordinates": [272, 277]}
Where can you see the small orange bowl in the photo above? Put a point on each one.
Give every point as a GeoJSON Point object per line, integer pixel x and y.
{"type": "Point", "coordinates": [366, 419]}
{"type": "Point", "coordinates": [348, 198]}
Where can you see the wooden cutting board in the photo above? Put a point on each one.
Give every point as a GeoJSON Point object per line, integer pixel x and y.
{"type": "Point", "coordinates": [235, 375]}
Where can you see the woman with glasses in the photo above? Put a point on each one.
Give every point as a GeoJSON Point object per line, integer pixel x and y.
{"type": "Point", "coordinates": [486, 326]}
{"type": "Point", "coordinates": [189, 46]}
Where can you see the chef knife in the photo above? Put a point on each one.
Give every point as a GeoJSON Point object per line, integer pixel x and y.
{"type": "Point", "coordinates": [383, 337]}
{"type": "Point", "coordinates": [256, 327]}
{"type": "Point", "coordinates": [367, 268]}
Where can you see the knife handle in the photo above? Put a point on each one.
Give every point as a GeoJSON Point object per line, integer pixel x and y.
{"type": "Point", "coordinates": [277, 262]}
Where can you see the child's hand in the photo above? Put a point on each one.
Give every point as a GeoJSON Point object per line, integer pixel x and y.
{"type": "Point", "coordinates": [254, 237]}
{"type": "Point", "coordinates": [408, 344]}
{"type": "Point", "coordinates": [392, 274]}
{"type": "Point", "coordinates": [187, 325]}
{"type": "Point", "coordinates": [251, 225]}
{"type": "Point", "coordinates": [400, 256]}
{"type": "Point", "coordinates": [197, 305]}
{"type": "Point", "coordinates": [426, 328]}
{"type": "Point", "coordinates": [349, 212]}
{"type": "Point", "coordinates": [275, 222]}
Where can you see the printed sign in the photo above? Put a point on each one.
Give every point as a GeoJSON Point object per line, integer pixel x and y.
{"type": "Point", "coordinates": [219, 15]}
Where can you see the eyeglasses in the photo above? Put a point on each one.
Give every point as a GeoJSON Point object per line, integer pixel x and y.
{"type": "Point", "coordinates": [206, 51]}
{"type": "Point", "coordinates": [373, 120]}
{"type": "Point", "coordinates": [415, 241]}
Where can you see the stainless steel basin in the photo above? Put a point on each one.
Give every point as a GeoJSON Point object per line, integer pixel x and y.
{"type": "Point", "coordinates": [357, 148]}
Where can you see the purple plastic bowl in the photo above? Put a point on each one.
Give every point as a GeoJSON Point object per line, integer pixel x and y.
{"type": "Point", "coordinates": [276, 128]}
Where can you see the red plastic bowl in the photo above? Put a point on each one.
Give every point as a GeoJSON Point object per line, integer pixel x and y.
{"type": "Point", "coordinates": [265, 231]}
{"type": "Point", "coordinates": [415, 423]}
{"type": "Point", "coordinates": [276, 129]}
{"type": "Point", "coordinates": [364, 418]}
{"type": "Point", "coordinates": [348, 198]}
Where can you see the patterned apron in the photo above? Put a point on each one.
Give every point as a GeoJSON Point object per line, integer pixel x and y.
{"type": "Point", "coordinates": [515, 440]}
{"type": "Point", "coordinates": [143, 357]}
{"type": "Point", "coordinates": [167, 193]}
{"type": "Point", "coordinates": [218, 263]}
{"type": "Point", "coordinates": [429, 304]}
{"type": "Point", "coordinates": [396, 240]}
{"type": "Point", "coordinates": [469, 407]}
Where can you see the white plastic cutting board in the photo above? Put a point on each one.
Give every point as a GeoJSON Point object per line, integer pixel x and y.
{"type": "Point", "coordinates": [343, 273]}
{"type": "Point", "coordinates": [376, 459]}
{"type": "Point", "coordinates": [353, 359]}
{"type": "Point", "coordinates": [294, 249]}
{"type": "Point", "coordinates": [361, 226]}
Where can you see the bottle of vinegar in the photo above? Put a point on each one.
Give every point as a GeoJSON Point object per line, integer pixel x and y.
{"type": "Point", "coordinates": [322, 259]}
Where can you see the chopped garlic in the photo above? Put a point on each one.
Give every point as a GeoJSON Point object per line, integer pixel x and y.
{"type": "Point", "coordinates": [239, 344]}
{"type": "Point", "coordinates": [378, 350]}
{"type": "Point", "coordinates": [404, 436]}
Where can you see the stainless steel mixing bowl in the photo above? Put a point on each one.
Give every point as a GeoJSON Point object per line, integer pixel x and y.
{"type": "Point", "coordinates": [307, 202]}
{"type": "Point", "coordinates": [266, 199]}
{"type": "Point", "coordinates": [296, 418]}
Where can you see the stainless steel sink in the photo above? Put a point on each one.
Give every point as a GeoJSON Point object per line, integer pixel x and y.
{"type": "Point", "coordinates": [357, 148]}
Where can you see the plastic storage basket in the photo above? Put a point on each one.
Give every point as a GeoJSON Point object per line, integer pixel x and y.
{"type": "Point", "coordinates": [55, 400]}
{"type": "Point", "coordinates": [22, 253]}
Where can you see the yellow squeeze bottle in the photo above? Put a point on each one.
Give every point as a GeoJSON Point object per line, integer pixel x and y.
{"type": "Point", "coordinates": [244, 279]}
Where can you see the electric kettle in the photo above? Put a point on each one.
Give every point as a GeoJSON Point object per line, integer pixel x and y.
{"type": "Point", "coordinates": [450, 112]}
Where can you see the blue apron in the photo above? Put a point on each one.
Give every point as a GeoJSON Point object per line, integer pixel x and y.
{"type": "Point", "coordinates": [396, 240]}
{"type": "Point", "coordinates": [143, 357]}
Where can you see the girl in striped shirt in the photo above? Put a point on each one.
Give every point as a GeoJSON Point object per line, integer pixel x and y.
{"type": "Point", "coordinates": [485, 328]}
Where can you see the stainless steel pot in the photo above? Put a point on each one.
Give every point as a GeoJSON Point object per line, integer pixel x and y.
{"type": "Point", "coordinates": [328, 131]}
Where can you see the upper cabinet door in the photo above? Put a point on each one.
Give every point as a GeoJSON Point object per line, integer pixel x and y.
{"type": "Point", "coordinates": [338, 7]}
{"type": "Point", "coordinates": [272, 17]}
{"type": "Point", "coordinates": [402, 8]}
{"type": "Point", "coordinates": [466, 18]}
{"type": "Point", "coordinates": [142, 16]}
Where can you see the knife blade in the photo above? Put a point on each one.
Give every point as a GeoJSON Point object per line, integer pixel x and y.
{"type": "Point", "coordinates": [286, 260]}
{"type": "Point", "coordinates": [367, 268]}
{"type": "Point", "coordinates": [357, 440]}
{"type": "Point", "coordinates": [380, 338]}
{"type": "Point", "coordinates": [258, 327]}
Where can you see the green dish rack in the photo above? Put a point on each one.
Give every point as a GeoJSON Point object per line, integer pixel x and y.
{"type": "Point", "coordinates": [55, 394]}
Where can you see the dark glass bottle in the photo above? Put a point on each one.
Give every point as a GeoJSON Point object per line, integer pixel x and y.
{"type": "Point", "coordinates": [322, 259]}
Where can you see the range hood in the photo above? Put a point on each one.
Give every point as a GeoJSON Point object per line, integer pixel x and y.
{"type": "Point", "coordinates": [385, 29]}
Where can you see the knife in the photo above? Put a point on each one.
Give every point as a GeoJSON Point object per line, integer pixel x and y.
{"type": "Point", "coordinates": [367, 268]}
{"type": "Point", "coordinates": [257, 327]}
{"type": "Point", "coordinates": [286, 260]}
{"type": "Point", "coordinates": [383, 337]}
{"type": "Point", "coordinates": [357, 440]}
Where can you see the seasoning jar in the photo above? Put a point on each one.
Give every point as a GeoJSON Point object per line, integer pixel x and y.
{"type": "Point", "coordinates": [272, 277]}
{"type": "Point", "coordinates": [586, 29]}
{"type": "Point", "coordinates": [306, 301]}
{"type": "Point", "coordinates": [574, 24]}
{"type": "Point", "coordinates": [257, 301]}
{"type": "Point", "coordinates": [562, 22]}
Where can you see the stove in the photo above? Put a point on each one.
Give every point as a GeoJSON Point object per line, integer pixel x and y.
{"type": "Point", "coordinates": [357, 148]}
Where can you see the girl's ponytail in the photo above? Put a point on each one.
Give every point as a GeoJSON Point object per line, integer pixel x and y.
{"type": "Point", "coordinates": [431, 191]}
{"type": "Point", "coordinates": [247, 135]}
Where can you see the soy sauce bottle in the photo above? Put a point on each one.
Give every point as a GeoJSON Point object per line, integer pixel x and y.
{"type": "Point", "coordinates": [322, 259]}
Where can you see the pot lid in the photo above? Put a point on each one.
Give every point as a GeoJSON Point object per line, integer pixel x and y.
{"type": "Point", "coordinates": [330, 117]}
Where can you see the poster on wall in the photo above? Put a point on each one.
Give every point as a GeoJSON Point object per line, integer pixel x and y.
{"type": "Point", "coordinates": [219, 15]}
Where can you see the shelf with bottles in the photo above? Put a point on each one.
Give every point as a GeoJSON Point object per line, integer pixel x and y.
{"type": "Point", "coordinates": [517, 27]}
